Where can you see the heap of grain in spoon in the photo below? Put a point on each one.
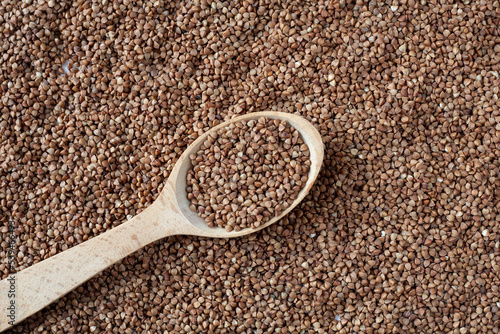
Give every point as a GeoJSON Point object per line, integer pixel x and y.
{"type": "Point", "coordinates": [246, 173]}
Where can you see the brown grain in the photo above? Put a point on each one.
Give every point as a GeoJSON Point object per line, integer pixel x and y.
{"type": "Point", "coordinates": [247, 173]}
{"type": "Point", "coordinates": [401, 231]}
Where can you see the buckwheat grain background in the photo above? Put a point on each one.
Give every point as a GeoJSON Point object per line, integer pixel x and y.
{"type": "Point", "coordinates": [401, 233]}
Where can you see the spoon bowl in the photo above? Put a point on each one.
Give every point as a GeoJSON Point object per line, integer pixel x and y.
{"type": "Point", "coordinates": [47, 281]}
{"type": "Point", "coordinates": [174, 192]}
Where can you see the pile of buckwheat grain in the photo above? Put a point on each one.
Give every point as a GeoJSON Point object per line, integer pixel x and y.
{"type": "Point", "coordinates": [247, 173]}
{"type": "Point", "coordinates": [401, 231]}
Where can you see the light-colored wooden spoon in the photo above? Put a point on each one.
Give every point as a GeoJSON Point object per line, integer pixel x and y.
{"type": "Point", "coordinates": [47, 281]}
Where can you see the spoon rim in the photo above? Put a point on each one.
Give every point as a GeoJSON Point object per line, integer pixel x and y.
{"type": "Point", "coordinates": [175, 192]}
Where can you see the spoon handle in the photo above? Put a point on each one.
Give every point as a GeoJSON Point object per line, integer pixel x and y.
{"type": "Point", "coordinates": [28, 291]}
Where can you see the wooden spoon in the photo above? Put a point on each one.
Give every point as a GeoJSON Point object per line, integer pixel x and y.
{"type": "Point", "coordinates": [47, 281]}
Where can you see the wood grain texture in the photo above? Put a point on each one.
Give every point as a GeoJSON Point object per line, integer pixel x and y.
{"type": "Point", "coordinates": [47, 281]}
